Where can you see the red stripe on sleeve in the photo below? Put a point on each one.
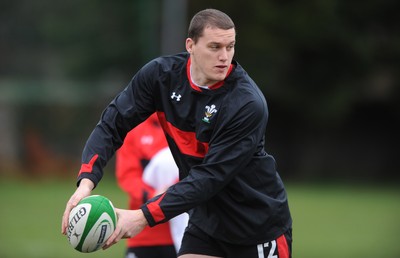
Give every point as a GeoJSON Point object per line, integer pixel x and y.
{"type": "Point", "coordinates": [155, 210]}
{"type": "Point", "coordinates": [186, 141]}
{"type": "Point", "coordinates": [283, 249]}
{"type": "Point", "coordinates": [89, 166]}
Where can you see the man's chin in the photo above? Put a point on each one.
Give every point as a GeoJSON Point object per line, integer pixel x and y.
{"type": "Point", "coordinates": [220, 77]}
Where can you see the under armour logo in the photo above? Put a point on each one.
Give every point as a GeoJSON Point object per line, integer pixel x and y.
{"type": "Point", "coordinates": [177, 97]}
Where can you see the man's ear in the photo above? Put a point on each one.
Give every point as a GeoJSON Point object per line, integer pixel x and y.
{"type": "Point", "coordinates": [189, 45]}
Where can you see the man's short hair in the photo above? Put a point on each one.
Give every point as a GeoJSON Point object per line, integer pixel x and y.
{"type": "Point", "coordinates": [208, 18]}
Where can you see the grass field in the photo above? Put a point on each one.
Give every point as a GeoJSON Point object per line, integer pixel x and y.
{"type": "Point", "coordinates": [335, 220]}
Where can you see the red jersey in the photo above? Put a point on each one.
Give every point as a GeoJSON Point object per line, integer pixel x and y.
{"type": "Point", "coordinates": [140, 145]}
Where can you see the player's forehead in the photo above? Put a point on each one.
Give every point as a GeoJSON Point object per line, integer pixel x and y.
{"type": "Point", "coordinates": [217, 35]}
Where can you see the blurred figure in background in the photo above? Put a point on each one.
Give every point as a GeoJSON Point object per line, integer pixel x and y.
{"type": "Point", "coordinates": [161, 173]}
{"type": "Point", "coordinates": [139, 147]}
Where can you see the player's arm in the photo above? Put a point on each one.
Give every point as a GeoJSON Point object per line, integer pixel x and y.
{"type": "Point", "coordinates": [129, 108]}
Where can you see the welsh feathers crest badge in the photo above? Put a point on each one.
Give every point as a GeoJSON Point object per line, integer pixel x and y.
{"type": "Point", "coordinates": [209, 112]}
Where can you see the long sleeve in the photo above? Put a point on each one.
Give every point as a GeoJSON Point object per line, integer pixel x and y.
{"type": "Point", "coordinates": [128, 109]}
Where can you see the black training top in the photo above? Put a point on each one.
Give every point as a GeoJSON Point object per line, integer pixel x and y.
{"type": "Point", "coordinates": [229, 184]}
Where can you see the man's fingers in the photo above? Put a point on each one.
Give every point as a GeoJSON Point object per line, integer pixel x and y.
{"type": "Point", "coordinates": [130, 223]}
{"type": "Point", "coordinates": [73, 201]}
{"type": "Point", "coordinates": [84, 190]}
{"type": "Point", "coordinates": [65, 217]}
{"type": "Point", "coordinates": [114, 238]}
{"type": "Point", "coordinates": [64, 223]}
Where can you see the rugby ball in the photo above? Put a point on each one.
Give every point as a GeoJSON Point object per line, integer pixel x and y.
{"type": "Point", "coordinates": [91, 223]}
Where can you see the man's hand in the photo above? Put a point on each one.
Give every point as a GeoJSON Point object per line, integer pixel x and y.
{"type": "Point", "coordinates": [84, 190]}
{"type": "Point", "coordinates": [129, 224]}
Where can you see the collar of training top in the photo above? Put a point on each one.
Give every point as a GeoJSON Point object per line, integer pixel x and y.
{"type": "Point", "coordinates": [212, 87]}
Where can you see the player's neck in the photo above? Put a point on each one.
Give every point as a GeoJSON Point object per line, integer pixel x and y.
{"type": "Point", "coordinates": [194, 82]}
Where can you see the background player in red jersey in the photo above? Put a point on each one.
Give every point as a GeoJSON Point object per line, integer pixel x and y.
{"type": "Point", "coordinates": [140, 145]}
{"type": "Point", "coordinates": [161, 173]}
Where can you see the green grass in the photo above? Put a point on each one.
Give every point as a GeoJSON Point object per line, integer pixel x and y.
{"type": "Point", "coordinates": [345, 221]}
{"type": "Point", "coordinates": [329, 220]}
{"type": "Point", "coordinates": [30, 224]}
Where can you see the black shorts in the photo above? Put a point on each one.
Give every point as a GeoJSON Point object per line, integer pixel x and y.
{"type": "Point", "coordinates": [195, 241]}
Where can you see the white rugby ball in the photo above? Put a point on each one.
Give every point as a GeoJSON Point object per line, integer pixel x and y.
{"type": "Point", "coordinates": [91, 223]}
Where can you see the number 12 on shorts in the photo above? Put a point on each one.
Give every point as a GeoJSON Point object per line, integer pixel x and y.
{"type": "Point", "coordinates": [269, 248]}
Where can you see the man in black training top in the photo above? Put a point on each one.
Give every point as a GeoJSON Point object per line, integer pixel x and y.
{"type": "Point", "coordinates": [214, 117]}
